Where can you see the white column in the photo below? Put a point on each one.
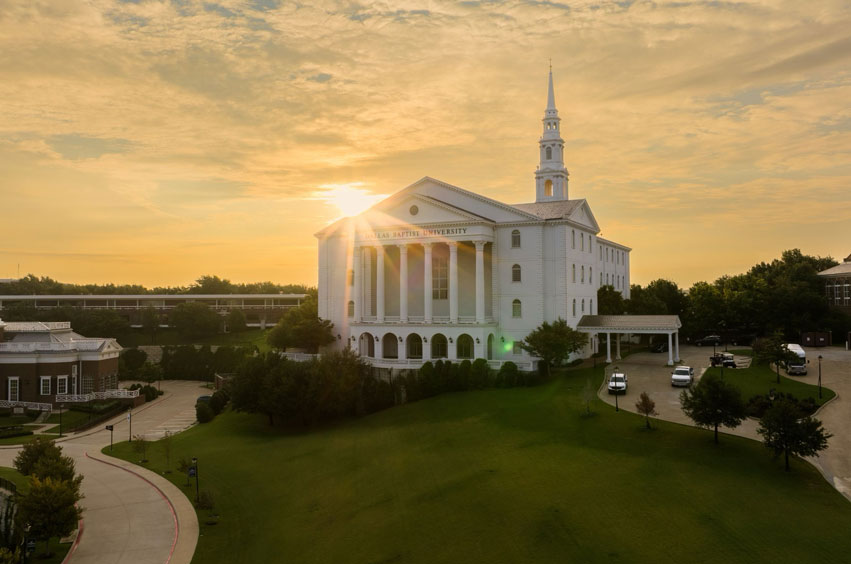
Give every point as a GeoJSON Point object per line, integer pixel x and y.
{"type": "Point", "coordinates": [378, 346]}
{"type": "Point", "coordinates": [452, 347]}
{"type": "Point", "coordinates": [357, 291]}
{"type": "Point", "coordinates": [479, 348]}
{"type": "Point", "coordinates": [608, 347]}
{"type": "Point", "coordinates": [379, 284]}
{"type": "Point", "coordinates": [402, 349]}
{"type": "Point", "coordinates": [618, 346]}
{"type": "Point", "coordinates": [670, 351]}
{"type": "Point", "coordinates": [453, 282]}
{"type": "Point", "coordinates": [427, 286]}
{"type": "Point", "coordinates": [426, 349]}
{"type": "Point", "coordinates": [403, 283]}
{"type": "Point", "coordinates": [677, 346]}
{"type": "Point", "coordinates": [480, 282]}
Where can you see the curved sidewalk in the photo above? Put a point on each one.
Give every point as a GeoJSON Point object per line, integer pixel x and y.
{"type": "Point", "coordinates": [131, 515]}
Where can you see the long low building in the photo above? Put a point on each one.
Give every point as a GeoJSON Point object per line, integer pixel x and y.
{"type": "Point", "coordinates": [260, 309]}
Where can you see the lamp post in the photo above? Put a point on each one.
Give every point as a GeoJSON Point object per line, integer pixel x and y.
{"type": "Point", "coordinates": [197, 487]}
{"type": "Point", "coordinates": [819, 376]}
{"type": "Point", "coordinates": [616, 392]}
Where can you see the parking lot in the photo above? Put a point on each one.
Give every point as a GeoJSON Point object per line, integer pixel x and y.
{"type": "Point", "coordinates": [647, 373]}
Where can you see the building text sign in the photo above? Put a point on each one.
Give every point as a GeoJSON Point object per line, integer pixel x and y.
{"type": "Point", "coordinates": [413, 233]}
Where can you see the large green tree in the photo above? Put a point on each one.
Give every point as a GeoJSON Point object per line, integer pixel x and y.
{"type": "Point", "coordinates": [772, 350]}
{"type": "Point", "coordinates": [610, 301]}
{"type": "Point", "coordinates": [786, 430]}
{"type": "Point", "coordinates": [554, 343]}
{"type": "Point", "coordinates": [302, 328]}
{"type": "Point", "coordinates": [49, 508]}
{"type": "Point", "coordinates": [195, 319]}
{"type": "Point", "coordinates": [713, 402]}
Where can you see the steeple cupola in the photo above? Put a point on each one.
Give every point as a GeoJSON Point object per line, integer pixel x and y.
{"type": "Point", "coordinates": [551, 176]}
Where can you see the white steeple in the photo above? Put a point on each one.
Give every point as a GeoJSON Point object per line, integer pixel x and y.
{"type": "Point", "coordinates": [551, 176]}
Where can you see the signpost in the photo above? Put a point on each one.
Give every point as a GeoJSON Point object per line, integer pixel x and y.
{"type": "Point", "coordinates": [109, 428]}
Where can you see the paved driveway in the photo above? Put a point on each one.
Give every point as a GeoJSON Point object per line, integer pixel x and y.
{"type": "Point", "coordinates": [647, 373]}
{"type": "Point", "coordinates": [132, 515]}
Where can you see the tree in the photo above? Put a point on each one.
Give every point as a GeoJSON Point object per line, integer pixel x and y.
{"type": "Point", "coordinates": [133, 359]}
{"type": "Point", "coordinates": [150, 373]}
{"type": "Point", "coordinates": [195, 319]}
{"type": "Point", "coordinates": [553, 344]}
{"type": "Point", "coordinates": [610, 301]}
{"type": "Point", "coordinates": [60, 468]}
{"type": "Point", "coordinates": [236, 321]}
{"type": "Point", "coordinates": [49, 508]}
{"type": "Point", "coordinates": [773, 350]}
{"type": "Point", "coordinates": [140, 445]}
{"type": "Point", "coordinates": [785, 429]}
{"type": "Point", "coordinates": [646, 407]}
{"type": "Point", "coordinates": [713, 402]}
{"type": "Point", "coordinates": [150, 322]}
{"type": "Point", "coordinates": [301, 327]}
{"type": "Point", "coordinates": [33, 451]}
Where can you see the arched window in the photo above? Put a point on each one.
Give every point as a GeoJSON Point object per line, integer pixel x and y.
{"type": "Point", "coordinates": [607, 279]}
{"type": "Point", "coordinates": [582, 275]}
{"type": "Point", "coordinates": [350, 275]}
{"type": "Point", "coordinates": [351, 308]}
{"type": "Point", "coordinates": [438, 346]}
{"type": "Point", "coordinates": [601, 279]}
{"type": "Point", "coordinates": [590, 274]}
{"type": "Point", "coordinates": [548, 188]}
{"type": "Point", "coordinates": [516, 309]}
{"type": "Point", "coordinates": [572, 239]}
{"type": "Point", "coordinates": [574, 307]}
{"type": "Point", "coordinates": [574, 273]}
{"type": "Point", "coordinates": [464, 347]}
{"type": "Point", "coordinates": [549, 153]}
{"type": "Point", "coordinates": [601, 252]}
{"type": "Point", "coordinates": [583, 306]}
{"type": "Point", "coordinates": [591, 307]}
{"type": "Point", "coordinates": [515, 273]}
{"type": "Point", "coordinates": [582, 241]}
{"type": "Point", "coordinates": [515, 238]}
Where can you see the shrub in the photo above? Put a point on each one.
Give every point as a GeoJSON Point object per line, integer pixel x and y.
{"type": "Point", "coordinates": [150, 392]}
{"type": "Point", "coordinates": [204, 412]}
{"type": "Point", "coordinates": [758, 405]}
{"type": "Point", "coordinates": [218, 402]}
{"type": "Point", "coordinates": [464, 370]}
{"type": "Point", "coordinates": [508, 374]}
{"type": "Point", "coordinates": [480, 374]}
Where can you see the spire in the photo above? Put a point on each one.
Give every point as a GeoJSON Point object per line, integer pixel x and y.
{"type": "Point", "coordinates": [551, 176]}
{"type": "Point", "coordinates": [551, 98]}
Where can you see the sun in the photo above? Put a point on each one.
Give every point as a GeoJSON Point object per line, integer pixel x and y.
{"type": "Point", "coordinates": [350, 199]}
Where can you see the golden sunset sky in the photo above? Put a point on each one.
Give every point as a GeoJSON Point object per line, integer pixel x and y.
{"type": "Point", "coordinates": [153, 141]}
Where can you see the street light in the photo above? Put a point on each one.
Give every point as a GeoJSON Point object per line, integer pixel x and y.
{"type": "Point", "coordinates": [616, 392]}
{"type": "Point", "coordinates": [197, 487]}
{"type": "Point", "coordinates": [819, 376]}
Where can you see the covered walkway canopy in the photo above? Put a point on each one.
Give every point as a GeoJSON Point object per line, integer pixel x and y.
{"type": "Point", "coordinates": [641, 324]}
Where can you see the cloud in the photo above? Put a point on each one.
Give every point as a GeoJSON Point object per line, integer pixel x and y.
{"type": "Point", "coordinates": [78, 147]}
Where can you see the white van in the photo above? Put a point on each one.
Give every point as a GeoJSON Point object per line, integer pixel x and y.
{"type": "Point", "coordinates": [799, 366]}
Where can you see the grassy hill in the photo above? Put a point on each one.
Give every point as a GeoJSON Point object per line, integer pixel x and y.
{"type": "Point", "coordinates": [501, 476]}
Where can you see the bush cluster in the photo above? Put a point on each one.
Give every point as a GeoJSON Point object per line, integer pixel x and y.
{"type": "Point", "coordinates": [758, 405]}
{"type": "Point", "coordinates": [445, 376]}
{"type": "Point", "coordinates": [208, 407]}
{"type": "Point", "coordinates": [150, 392]}
{"type": "Point", "coordinates": [188, 362]}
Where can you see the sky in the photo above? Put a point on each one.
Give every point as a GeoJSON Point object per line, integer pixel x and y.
{"type": "Point", "coordinates": [154, 142]}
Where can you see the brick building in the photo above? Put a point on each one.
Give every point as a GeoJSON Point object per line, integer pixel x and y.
{"type": "Point", "coordinates": [45, 363]}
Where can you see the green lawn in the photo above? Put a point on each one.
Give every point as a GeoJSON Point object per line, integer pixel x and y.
{"type": "Point", "coordinates": [171, 337]}
{"type": "Point", "coordinates": [21, 481]}
{"type": "Point", "coordinates": [760, 378]}
{"type": "Point", "coordinates": [501, 476]}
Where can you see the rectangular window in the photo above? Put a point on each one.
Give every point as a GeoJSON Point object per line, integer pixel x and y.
{"type": "Point", "coordinates": [61, 384]}
{"type": "Point", "coordinates": [517, 348]}
{"type": "Point", "coordinates": [74, 382]}
{"type": "Point", "coordinates": [14, 387]}
{"type": "Point", "coordinates": [45, 385]}
{"type": "Point", "coordinates": [515, 239]}
{"type": "Point", "coordinates": [440, 278]}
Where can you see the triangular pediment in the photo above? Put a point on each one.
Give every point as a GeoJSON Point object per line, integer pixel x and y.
{"type": "Point", "coordinates": [582, 215]}
{"type": "Point", "coordinates": [417, 209]}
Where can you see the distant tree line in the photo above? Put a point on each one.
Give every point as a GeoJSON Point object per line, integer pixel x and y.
{"type": "Point", "coordinates": [207, 284]}
{"type": "Point", "coordinates": [785, 295]}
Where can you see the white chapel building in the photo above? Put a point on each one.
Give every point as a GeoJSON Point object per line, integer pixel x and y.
{"type": "Point", "coordinates": [435, 271]}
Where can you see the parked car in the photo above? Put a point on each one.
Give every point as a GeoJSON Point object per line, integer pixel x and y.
{"type": "Point", "coordinates": [709, 340]}
{"type": "Point", "coordinates": [682, 376]}
{"type": "Point", "coordinates": [659, 347]}
{"type": "Point", "coordinates": [723, 359]}
{"type": "Point", "coordinates": [617, 383]}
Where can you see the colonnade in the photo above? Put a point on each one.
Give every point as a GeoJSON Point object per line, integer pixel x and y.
{"type": "Point", "coordinates": [428, 297]}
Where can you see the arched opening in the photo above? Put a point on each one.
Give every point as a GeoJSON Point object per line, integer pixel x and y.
{"type": "Point", "coordinates": [464, 346]}
{"type": "Point", "coordinates": [439, 347]}
{"type": "Point", "coordinates": [549, 151]}
{"type": "Point", "coordinates": [351, 309]}
{"type": "Point", "coordinates": [516, 273]}
{"type": "Point", "coordinates": [414, 346]}
{"type": "Point", "coordinates": [366, 345]}
{"type": "Point", "coordinates": [389, 346]}
{"type": "Point", "coordinates": [515, 238]}
{"type": "Point", "coordinates": [490, 346]}
{"type": "Point", "coordinates": [548, 188]}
